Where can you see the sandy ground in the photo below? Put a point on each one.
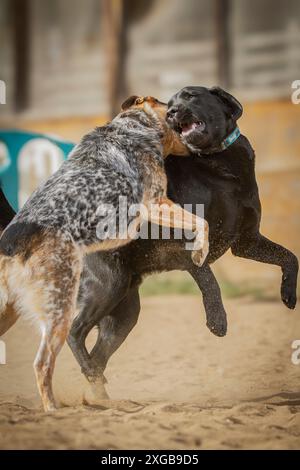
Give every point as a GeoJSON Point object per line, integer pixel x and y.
{"type": "Point", "coordinates": [173, 385]}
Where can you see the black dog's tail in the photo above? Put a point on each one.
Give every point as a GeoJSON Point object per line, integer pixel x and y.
{"type": "Point", "coordinates": [6, 212]}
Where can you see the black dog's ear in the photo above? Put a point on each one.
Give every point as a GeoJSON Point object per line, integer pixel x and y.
{"type": "Point", "coordinates": [234, 107]}
{"type": "Point", "coordinates": [129, 102]}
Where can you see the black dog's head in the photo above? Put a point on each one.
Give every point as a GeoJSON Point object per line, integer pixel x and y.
{"type": "Point", "coordinates": [204, 117]}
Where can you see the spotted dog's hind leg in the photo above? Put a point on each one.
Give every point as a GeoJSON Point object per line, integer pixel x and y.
{"type": "Point", "coordinates": [52, 292]}
{"type": "Point", "coordinates": [54, 333]}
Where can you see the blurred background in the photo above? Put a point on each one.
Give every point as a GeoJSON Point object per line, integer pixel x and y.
{"type": "Point", "coordinates": [68, 64]}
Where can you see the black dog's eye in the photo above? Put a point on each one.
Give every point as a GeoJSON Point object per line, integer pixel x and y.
{"type": "Point", "coordinates": [186, 95]}
{"type": "Point", "coordinates": [201, 125]}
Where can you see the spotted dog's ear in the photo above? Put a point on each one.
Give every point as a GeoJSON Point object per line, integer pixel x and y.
{"type": "Point", "coordinates": [129, 102]}
{"type": "Point", "coordinates": [233, 106]}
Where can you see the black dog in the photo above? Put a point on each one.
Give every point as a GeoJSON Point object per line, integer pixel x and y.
{"type": "Point", "coordinates": [6, 212]}
{"type": "Point", "coordinates": [206, 119]}
{"type": "Point", "coordinates": [220, 174]}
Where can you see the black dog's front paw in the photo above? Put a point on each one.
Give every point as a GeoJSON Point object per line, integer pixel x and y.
{"type": "Point", "coordinates": [217, 325]}
{"type": "Point", "coordinates": [288, 291]}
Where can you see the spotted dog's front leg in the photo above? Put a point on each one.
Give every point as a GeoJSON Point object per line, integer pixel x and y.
{"type": "Point", "coordinates": [167, 214]}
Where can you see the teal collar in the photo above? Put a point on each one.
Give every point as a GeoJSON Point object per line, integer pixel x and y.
{"type": "Point", "coordinates": [229, 140]}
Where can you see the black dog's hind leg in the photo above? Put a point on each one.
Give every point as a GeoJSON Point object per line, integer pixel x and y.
{"type": "Point", "coordinates": [113, 330]}
{"type": "Point", "coordinates": [89, 317]}
{"type": "Point", "coordinates": [115, 327]}
{"type": "Point", "coordinates": [216, 319]}
{"type": "Point", "coordinates": [259, 248]}
{"type": "Point", "coordinates": [81, 326]}
{"type": "Point", "coordinates": [102, 287]}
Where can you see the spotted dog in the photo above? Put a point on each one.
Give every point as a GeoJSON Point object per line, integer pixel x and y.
{"type": "Point", "coordinates": [219, 174]}
{"type": "Point", "coordinates": [42, 249]}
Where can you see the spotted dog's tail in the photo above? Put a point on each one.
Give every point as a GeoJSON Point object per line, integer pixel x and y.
{"type": "Point", "coordinates": [7, 315]}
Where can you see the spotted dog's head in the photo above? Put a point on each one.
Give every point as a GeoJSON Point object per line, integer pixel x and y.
{"type": "Point", "coordinates": [203, 117]}
{"type": "Point", "coordinates": [172, 144]}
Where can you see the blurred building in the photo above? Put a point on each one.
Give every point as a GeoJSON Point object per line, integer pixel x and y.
{"type": "Point", "coordinates": [68, 64]}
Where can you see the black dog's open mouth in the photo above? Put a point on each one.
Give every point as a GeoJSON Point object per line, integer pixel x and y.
{"type": "Point", "coordinates": [186, 129]}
